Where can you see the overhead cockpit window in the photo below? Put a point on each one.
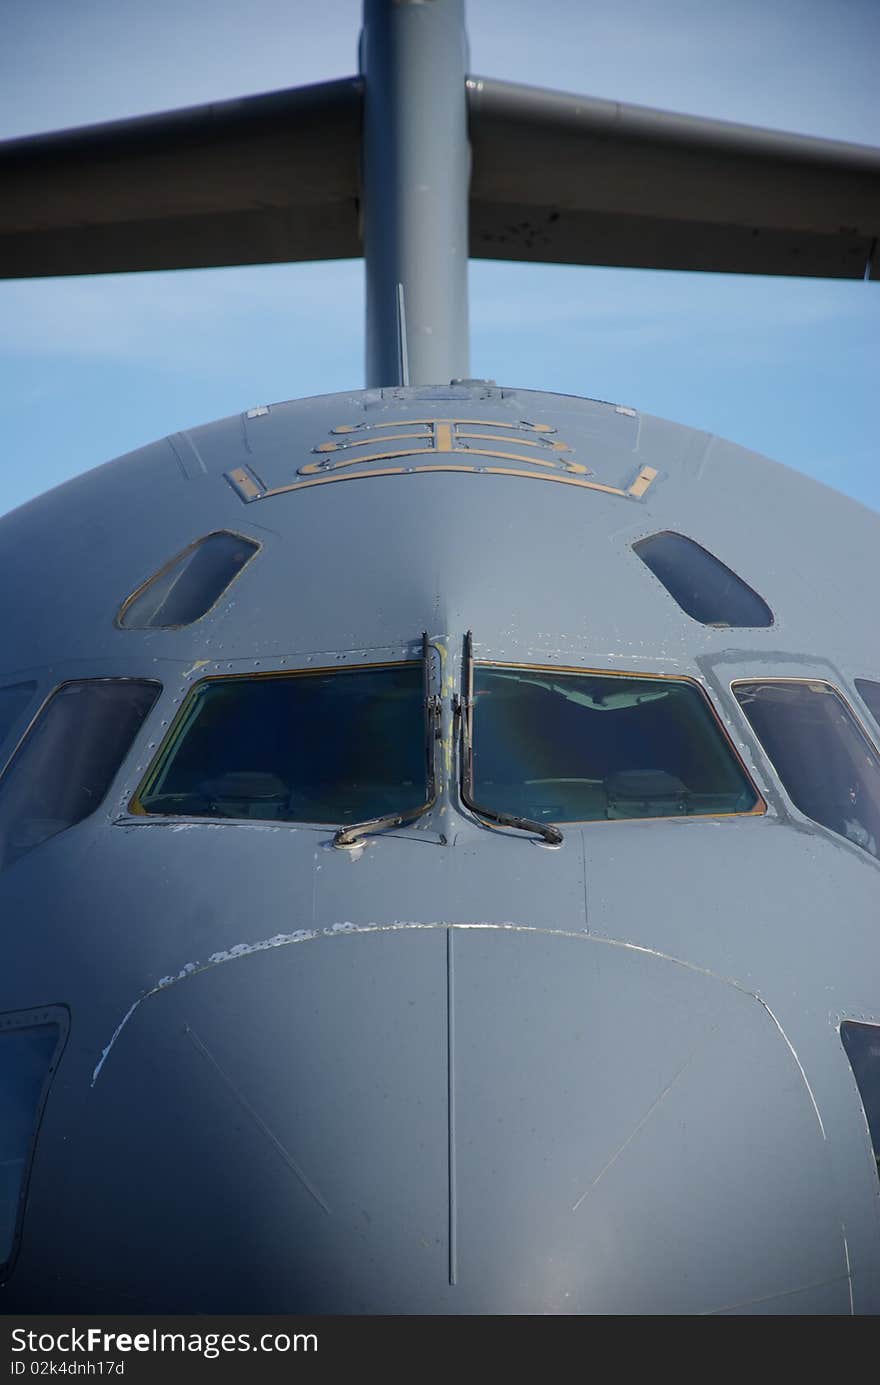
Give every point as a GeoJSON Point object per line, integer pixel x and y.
{"type": "Point", "coordinates": [703, 586]}
{"type": "Point", "coordinates": [573, 747]}
{"type": "Point", "coordinates": [829, 768]}
{"type": "Point", "coordinates": [330, 747]}
{"type": "Point", "coordinates": [870, 695]}
{"type": "Point", "coordinates": [862, 1044]}
{"type": "Point", "coordinates": [188, 586]}
{"type": "Point", "coordinates": [66, 762]}
{"type": "Point", "coordinates": [14, 698]}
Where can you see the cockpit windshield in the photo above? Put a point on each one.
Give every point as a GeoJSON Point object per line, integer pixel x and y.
{"type": "Point", "coordinates": [574, 747]}
{"type": "Point", "coordinates": [328, 747]}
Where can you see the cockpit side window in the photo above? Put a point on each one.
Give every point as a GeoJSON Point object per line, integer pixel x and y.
{"type": "Point", "coordinates": [870, 695]}
{"type": "Point", "coordinates": [189, 585]}
{"type": "Point", "coordinates": [862, 1044]}
{"type": "Point", "coordinates": [66, 762]}
{"type": "Point", "coordinates": [560, 746]}
{"type": "Point", "coordinates": [828, 767]}
{"type": "Point", "coordinates": [30, 1047]}
{"type": "Point", "coordinates": [704, 587]}
{"type": "Point", "coordinates": [326, 747]}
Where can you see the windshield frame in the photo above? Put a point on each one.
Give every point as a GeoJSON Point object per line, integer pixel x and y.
{"type": "Point", "coordinates": [758, 810]}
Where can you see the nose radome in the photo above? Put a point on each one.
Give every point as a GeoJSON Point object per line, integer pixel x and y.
{"type": "Point", "coordinates": [473, 1120]}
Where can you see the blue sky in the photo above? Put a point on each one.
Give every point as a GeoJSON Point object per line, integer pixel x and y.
{"type": "Point", "coordinates": [91, 368]}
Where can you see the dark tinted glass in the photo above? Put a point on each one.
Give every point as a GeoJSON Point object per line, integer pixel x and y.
{"type": "Point", "coordinates": [862, 1044]}
{"type": "Point", "coordinates": [25, 1056]}
{"type": "Point", "coordinates": [829, 769]}
{"type": "Point", "coordinates": [703, 587]}
{"type": "Point", "coordinates": [190, 584]}
{"type": "Point", "coordinates": [322, 747]}
{"type": "Point", "coordinates": [870, 695]}
{"type": "Point", "coordinates": [573, 747]}
{"type": "Point", "coordinates": [64, 766]}
{"type": "Point", "coordinates": [13, 700]}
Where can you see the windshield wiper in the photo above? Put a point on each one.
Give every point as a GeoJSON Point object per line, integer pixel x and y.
{"type": "Point", "coordinates": [466, 712]}
{"type": "Point", "coordinates": [351, 835]}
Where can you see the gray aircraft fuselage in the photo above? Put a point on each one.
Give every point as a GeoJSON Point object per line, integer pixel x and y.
{"type": "Point", "coordinates": [453, 1068]}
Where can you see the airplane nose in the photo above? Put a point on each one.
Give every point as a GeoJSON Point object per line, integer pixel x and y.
{"type": "Point", "coordinates": [456, 1120]}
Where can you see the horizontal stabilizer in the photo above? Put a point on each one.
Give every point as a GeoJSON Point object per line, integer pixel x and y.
{"type": "Point", "coordinates": [254, 181]}
{"type": "Point", "coordinates": [573, 180]}
{"type": "Point", "coordinates": [556, 178]}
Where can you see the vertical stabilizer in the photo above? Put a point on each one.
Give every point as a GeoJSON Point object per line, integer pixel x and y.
{"type": "Point", "coordinates": [416, 171]}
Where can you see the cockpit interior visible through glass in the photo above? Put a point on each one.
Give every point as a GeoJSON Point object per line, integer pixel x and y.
{"type": "Point", "coordinates": [581, 747]}
{"type": "Point", "coordinates": [328, 747]}
{"type": "Point", "coordinates": [829, 768]}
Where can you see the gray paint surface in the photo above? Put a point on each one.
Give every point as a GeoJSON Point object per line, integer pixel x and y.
{"type": "Point", "coordinates": [453, 1070]}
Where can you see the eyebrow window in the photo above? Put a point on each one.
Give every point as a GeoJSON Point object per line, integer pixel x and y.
{"type": "Point", "coordinates": [575, 747]}
{"type": "Point", "coordinates": [188, 586]}
{"type": "Point", "coordinates": [68, 759]}
{"type": "Point", "coordinates": [329, 747]}
{"type": "Point", "coordinates": [870, 694]}
{"type": "Point", "coordinates": [828, 767]}
{"type": "Point", "coordinates": [700, 583]}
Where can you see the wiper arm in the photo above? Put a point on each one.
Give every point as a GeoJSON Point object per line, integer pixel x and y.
{"type": "Point", "coordinates": [351, 835]}
{"type": "Point", "coordinates": [466, 711]}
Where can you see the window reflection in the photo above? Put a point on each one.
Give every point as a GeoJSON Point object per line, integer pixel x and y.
{"type": "Point", "coordinates": [570, 747]}
{"type": "Point", "coordinates": [189, 585]}
{"type": "Point", "coordinates": [333, 747]}
{"type": "Point", "coordinates": [704, 587]}
{"type": "Point", "coordinates": [64, 766]}
{"type": "Point", "coordinates": [829, 769]}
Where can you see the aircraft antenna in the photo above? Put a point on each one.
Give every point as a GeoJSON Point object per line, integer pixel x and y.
{"type": "Point", "coordinates": [415, 181]}
{"type": "Point", "coordinates": [403, 351]}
